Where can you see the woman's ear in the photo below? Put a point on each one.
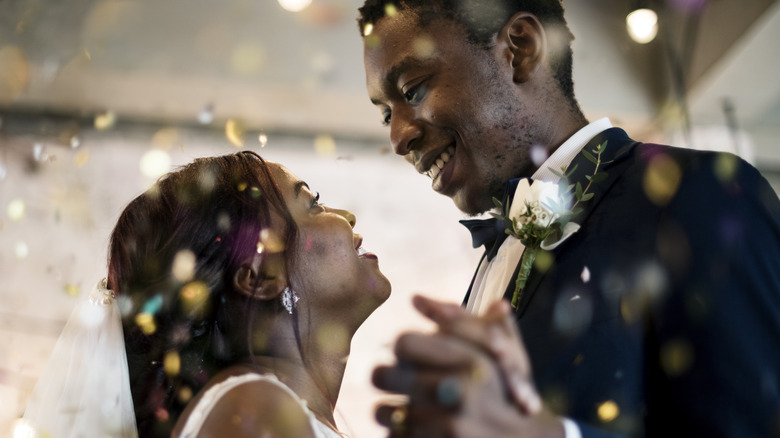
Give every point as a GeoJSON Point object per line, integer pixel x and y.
{"type": "Point", "coordinates": [263, 278]}
{"type": "Point", "coordinates": [526, 44]}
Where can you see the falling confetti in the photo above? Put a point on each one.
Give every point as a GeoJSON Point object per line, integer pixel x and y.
{"type": "Point", "coordinates": [271, 241]}
{"type": "Point", "coordinates": [676, 357]}
{"type": "Point", "coordinates": [367, 29]}
{"type": "Point", "coordinates": [145, 321]}
{"type": "Point", "coordinates": [21, 251]}
{"type": "Point", "coordinates": [390, 10]}
{"type": "Point", "coordinates": [185, 394]}
{"type": "Point", "coordinates": [155, 163]}
{"type": "Point", "coordinates": [324, 145]}
{"type": "Point", "coordinates": [75, 142]}
{"type": "Point", "coordinates": [195, 297]}
{"type": "Point", "coordinates": [661, 179]}
{"type": "Point", "coordinates": [263, 139]}
{"type": "Point", "coordinates": [585, 275]}
{"type": "Point", "coordinates": [423, 46]}
{"type": "Point", "coordinates": [294, 5]}
{"type": "Point", "coordinates": [3, 171]}
{"type": "Point", "coordinates": [172, 363]}
{"type": "Point", "coordinates": [608, 411]}
{"type": "Point", "coordinates": [165, 138]}
{"type": "Point", "coordinates": [105, 121]}
{"type": "Point", "coordinates": [16, 210]}
{"type": "Point", "coordinates": [184, 266]}
{"type": "Point", "coordinates": [15, 74]}
{"type": "Point", "coordinates": [538, 154]}
{"type": "Point", "coordinates": [40, 152]}
{"type": "Point", "coordinates": [234, 131]}
{"type": "Point", "coordinates": [81, 159]}
{"type": "Point", "coordinates": [247, 59]}
{"type": "Point", "coordinates": [72, 290]}
{"type": "Point", "coordinates": [206, 115]}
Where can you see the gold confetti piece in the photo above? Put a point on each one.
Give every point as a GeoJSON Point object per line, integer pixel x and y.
{"type": "Point", "coordinates": [423, 46]}
{"type": "Point", "coordinates": [172, 363]}
{"type": "Point", "coordinates": [206, 115]}
{"type": "Point", "coordinates": [726, 168]}
{"type": "Point", "coordinates": [74, 142]}
{"type": "Point", "coordinates": [676, 357]}
{"type": "Point", "coordinates": [260, 247]}
{"type": "Point", "coordinates": [21, 251]}
{"type": "Point", "coordinates": [72, 290]}
{"type": "Point", "coordinates": [81, 159]}
{"type": "Point", "coordinates": [165, 138]}
{"type": "Point", "coordinates": [155, 163]}
{"type": "Point", "coordinates": [185, 394]}
{"type": "Point", "coordinates": [105, 121]}
{"type": "Point", "coordinates": [15, 74]}
{"type": "Point", "coordinates": [145, 321]}
{"type": "Point", "coordinates": [332, 337]}
{"type": "Point", "coordinates": [390, 10]}
{"type": "Point", "coordinates": [263, 139]}
{"type": "Point", "coordinates": [661, 180]}
{"type": "Point", "coordinates": [247, 59]}
{"type": "Point", "coordinates": [271, 241]}
{"type": "Point", "coordinates": [195, 297]}
{"type": "Point", "coordinates": [372, 41]}
{"type": "Point", "coordinates": [234, 131]}
{"type": "Point", "coordinates": [16, 210]}
{"type": "Point", "coordinates": [367, 29]}
{"type": "Point", "coordinates": [184, 266]}
{"type": "Point", "coordinates": [608, 411]}
{"type": "Point", "coordinates": [294, 5]}
{"type": "Point", "coordinates": [242, 186]}
{"type": "Point", "coordinates": [324, 145]}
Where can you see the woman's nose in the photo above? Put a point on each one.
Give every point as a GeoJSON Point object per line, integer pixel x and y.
{"type": "Point", "coordinates": [345, 214]}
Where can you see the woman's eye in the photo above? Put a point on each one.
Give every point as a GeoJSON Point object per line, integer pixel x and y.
{"type": "Point", "coordinates": [315, 202]}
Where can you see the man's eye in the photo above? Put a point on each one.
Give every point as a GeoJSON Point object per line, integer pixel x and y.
{"type": "Point", "coordinates": [415, 94]}
{"type": "Point", "coordinates": [386, 118]}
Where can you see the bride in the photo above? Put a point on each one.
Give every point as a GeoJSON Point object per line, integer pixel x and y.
{"type": "Point", "coordinates": [239, 295]}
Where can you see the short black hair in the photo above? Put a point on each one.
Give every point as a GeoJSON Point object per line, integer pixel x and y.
{"type": "Point", "coordinates": [483, 19]}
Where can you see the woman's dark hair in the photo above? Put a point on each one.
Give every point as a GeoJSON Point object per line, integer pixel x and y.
{"type": "Point", "coordinates": [483, 19]}
{"type": "Point", "coordinates": [180, 331]}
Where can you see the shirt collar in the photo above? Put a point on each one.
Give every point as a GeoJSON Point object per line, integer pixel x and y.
{"type": "Point", "coordinates": [564, 155]}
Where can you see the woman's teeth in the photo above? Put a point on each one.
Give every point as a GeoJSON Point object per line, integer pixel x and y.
{"type": "Point", "coordinates": [361, 251]}
{"type": "Point", "coordinates": [437, 165]}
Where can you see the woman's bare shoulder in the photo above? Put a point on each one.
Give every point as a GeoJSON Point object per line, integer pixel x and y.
{"type": "Point", "coordinates": [256, 407]}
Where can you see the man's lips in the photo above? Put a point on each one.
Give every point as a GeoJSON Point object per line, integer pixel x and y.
{"type": "Point", "coordinates": [436, 165]}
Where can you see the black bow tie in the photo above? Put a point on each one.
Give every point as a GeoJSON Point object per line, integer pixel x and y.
{"type": "Point", "coordinates": [491, 232]}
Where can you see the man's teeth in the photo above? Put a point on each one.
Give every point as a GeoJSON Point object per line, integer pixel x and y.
{"type": "Point", "coordinates": [437, 165]}
{"type": "Point", "coordinates": [361, 251]}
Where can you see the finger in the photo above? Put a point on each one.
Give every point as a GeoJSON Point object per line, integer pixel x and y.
{"type": "Point", "coordinates": [436, 350]}
{"type": "Point", "coordinates": [422, 386]}
{"type": "Point", "coordinates": [439, 312]}
{"type": "Point", "coordinates": [413, 422]}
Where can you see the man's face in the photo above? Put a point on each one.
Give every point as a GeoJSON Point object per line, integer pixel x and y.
{"type": "Point", "coordinates": [453, 109]}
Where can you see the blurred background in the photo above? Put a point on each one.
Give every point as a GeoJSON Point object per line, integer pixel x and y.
{"type": "Point", "coordinates": [99, 97]}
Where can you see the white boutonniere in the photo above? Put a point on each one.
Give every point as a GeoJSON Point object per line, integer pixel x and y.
{"type": "Point", "coordinates": [540, 214]}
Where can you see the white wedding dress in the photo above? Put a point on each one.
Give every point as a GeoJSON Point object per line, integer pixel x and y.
{"type": "Point", "coordinates": [212, 395]}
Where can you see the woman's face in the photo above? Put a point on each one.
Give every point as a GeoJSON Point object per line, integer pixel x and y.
{"type": "Point", "coordinates": [331, 274]}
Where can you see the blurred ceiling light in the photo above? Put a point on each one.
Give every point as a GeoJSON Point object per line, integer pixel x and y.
{"type": "Point", "coordinates": [642, 25]}
{"type": "Point", "coordinates": [294, 5]}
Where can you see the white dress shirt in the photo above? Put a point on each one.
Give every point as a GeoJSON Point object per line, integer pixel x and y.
{"type": "Point", "coordinates": [493, 277]}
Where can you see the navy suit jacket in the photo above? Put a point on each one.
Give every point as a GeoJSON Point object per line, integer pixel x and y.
{"type": "Point", "coordinates": [676, 329]}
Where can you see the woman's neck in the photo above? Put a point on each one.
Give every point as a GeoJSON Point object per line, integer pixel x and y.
{"type": "Point", "coordinates": [316, 380]}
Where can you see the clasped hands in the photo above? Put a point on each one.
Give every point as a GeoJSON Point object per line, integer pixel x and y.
{"type": "Point", "coordinates": [470, 378]}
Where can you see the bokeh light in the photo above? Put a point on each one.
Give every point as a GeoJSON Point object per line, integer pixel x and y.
{"type": "Point", "coordinates": [21, 250]}
{"type": "Point", "coordinates": [184, 265]}
{"type": "Point", "coordinates": [262, 139]}
{"type": "Point", "coordinates": [16, 210]}
{"type": "Point", "coordinates": [324, 145]}
{"type": "Point", "coordinates": [294, 5]}
{"type": "Point", "coordinates": [642, 25]}
{"type": "Point", "coordinates": [15, 74]}
{"type": "Point", "coordinates": [247, 59]}
{"type": "Point", "coordinates": [662, 179]}
{"type": "Point", "coordinates": [155, 163]}
{"type": "Point", "coordinates": [608, 411]}
{"type": "Point", "coordinates": [172, 363]}
{"type": "Point", "coordinates": [105, 121]}
{"type": "Point", "coordinates": [234, 131]}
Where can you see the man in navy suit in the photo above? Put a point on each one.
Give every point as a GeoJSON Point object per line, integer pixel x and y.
{"type": "Point", "coordinates": [659, 316]}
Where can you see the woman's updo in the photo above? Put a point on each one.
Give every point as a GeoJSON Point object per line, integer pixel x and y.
{"type": "Point", "coordinates": [172, 259]}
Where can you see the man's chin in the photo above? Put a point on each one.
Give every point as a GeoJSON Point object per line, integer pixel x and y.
{"type": "Point", "coordinates": [471, 206]}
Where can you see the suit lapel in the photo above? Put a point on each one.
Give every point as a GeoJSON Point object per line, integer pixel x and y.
{"type": "Point", "coordinates": [618, 145]}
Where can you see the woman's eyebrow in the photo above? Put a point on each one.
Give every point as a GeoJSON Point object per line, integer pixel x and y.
{"type": "Point", "coordinates": [299, 186]}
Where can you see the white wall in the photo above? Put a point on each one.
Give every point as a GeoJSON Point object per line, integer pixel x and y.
{"type": "Point", "coordinates": [74, 195]}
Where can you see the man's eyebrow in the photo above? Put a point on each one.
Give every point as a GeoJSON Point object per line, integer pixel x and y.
{"type": "Point", "coordinates": [391, 78]}
{"type": "Point", "coordinates": [299, 186]}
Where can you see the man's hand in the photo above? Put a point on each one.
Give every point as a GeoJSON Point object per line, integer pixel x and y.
{"type": "Point", "coordinates": [471, 378]}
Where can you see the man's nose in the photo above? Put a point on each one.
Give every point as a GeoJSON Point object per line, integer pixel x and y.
{"type": "Point", "coordinates": [405, 131]}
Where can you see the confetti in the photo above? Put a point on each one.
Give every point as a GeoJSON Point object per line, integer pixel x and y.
{"type": "Point", "coordinates": [145, 321]}
{"type": "Point", "coordinates": [324, 145]}
{"type": "Point", "coordinates": [165, 138]}
{"type": "Point", "coordinates": [184, 265]}
{"type": "Point", "coordinates": [585, 275]}
{"type": "Point", "coordinates": [294, 5]}
{"type": "Point", "coordinates": [423, 46]}
{"type": "Point", "coordinates": [271, 241]}
{"type": "Point", "coordinates": [15, 74]}
{"type": "Point", "coordinates": [206, 115]}
{"type": "Point", "coordinates": [16, 210]}
{"type": "Point", "coordinates": [105, 121]}
{"type": "Point", "coordinates": [21, 251]}
{"type": "Point", "coordinates": [40, 152]}
{"type": "Point", "coordinates": [234, 131]}
{"type": "Point", "coordinates": [247, 59]}
{"type": "Point", "coordinates": [3, 171]}
{"type": "Point", "coordinates": [195, 297]}
{"type": "Point", "coordinates": [81, 159]}
{"type": "Point", "coordinates": [172, 363]}
{"type": "Point", "coordinates": [390, 10]}
{"type": "Point", "coordinates": [155, 163]}
{"type": "Point", "coordinates": [662, 179]}
{"type": "Point", "coordinates": [367, 29]}
{"type": "Point", "coordinates": [608, 411]}
{"type": "Point", "coordinates": [263, 139]}
{"type": "Point", "coordinates": [72, 290]}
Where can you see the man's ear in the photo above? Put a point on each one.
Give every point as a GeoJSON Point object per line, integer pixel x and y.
{"type": "Point", "coordinates": [263, 278]}
{"type": "Point", "coordinates": [526, 44]}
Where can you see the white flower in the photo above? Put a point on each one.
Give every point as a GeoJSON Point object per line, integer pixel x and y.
{"type": "Point", "coordinates": [546, 207]}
